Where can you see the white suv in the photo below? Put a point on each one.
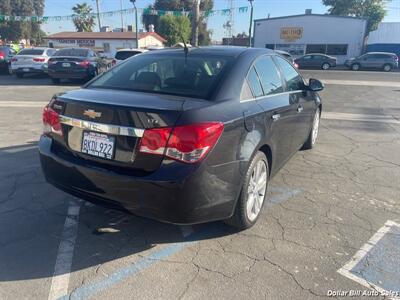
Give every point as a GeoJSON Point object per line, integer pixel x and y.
{"type": "Point", "coordinates": [123, 54]}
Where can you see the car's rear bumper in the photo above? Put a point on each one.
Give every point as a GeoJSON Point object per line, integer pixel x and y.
{"type": "Point", "coordinates": [26, 70]}
{"type": "Point", "coordinates": [76, 74]}
{"type": "Point", "coordinates": [180, 195]}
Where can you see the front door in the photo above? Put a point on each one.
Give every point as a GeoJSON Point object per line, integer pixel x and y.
{"type": "Point", "coordinates": [301, 102]}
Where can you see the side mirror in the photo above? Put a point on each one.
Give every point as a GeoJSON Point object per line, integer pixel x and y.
{"type": "Point", "coordinates": [315, 85]}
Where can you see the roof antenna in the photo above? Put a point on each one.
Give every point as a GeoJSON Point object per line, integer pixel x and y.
{"type": "Point", "coordinates": [185, 47]}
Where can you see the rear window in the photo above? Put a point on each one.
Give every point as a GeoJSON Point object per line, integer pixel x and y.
{"type": "Point", "coordinates": [122, 55]}
{"type": "Point", "coordinates": [72, 52]}
{"type": "Point", "coordinates": [31, 52]}
{"type": "Point", "coordinates": [167, 74]}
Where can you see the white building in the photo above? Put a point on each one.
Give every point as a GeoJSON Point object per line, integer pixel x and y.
{"type": "Point", "coordinates": [108, 42]}
{"type": "Point", "coordinates": [342, 37]}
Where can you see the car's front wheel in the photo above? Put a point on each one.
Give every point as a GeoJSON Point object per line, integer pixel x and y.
{"type": "Point", "coordinates": [325, 66]}
{"type": "Point", "coordinates": [387, 68]}
{"type": "Point", "coordinates": [355, 67]}
{"type": "Point", "coordinates": [253, 194]}
{"type": "Point", "coordinates": [19, 75]}
{"type": "Point", "coordinates": [312, 137]}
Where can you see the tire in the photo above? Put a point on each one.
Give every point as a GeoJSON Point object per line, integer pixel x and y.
{"type": "Point", "coordinates": [312, 137]}
{"type": "Point", "coordinates": [252, 197]}
{"type": "Point", "coordinates": [19, 75]}
{"type": "Point", "coordinates": [355, 67]}
{"type": "Point", "coordinates": [325, 66]}
{"type": "Point", "coordinates": [55, 80]}
{"type": "Point", "coordinates": [387, 68]}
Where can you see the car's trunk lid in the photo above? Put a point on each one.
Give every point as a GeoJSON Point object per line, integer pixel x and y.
{"type": "Point", "coordinates": [120, 115]}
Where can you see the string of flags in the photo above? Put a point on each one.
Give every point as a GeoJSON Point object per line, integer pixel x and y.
{"type": "Point", "coordinates": [144, 11]}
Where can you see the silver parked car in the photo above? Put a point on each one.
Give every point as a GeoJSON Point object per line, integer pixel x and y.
{"type": "Point", "coordinates": [374, 60]}
{"type": "Point", "coordinates": [31, 60]}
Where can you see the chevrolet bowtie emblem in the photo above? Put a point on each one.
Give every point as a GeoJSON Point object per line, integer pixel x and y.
{"type": "Point", "coordinates": [92, 114]}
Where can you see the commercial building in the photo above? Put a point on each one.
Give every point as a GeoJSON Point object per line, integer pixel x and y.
{"type": "Point", "coordinates": [342, 37]}
{"type": "Point", "coordinates": [386, 38]}
{"type": "Point", "coordinates": [108, 42]}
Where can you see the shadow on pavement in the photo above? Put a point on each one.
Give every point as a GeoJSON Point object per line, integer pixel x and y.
{"type": "Point", "coordinates": [32, 216]}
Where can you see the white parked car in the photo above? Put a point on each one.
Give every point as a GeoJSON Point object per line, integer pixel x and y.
{"type": "Point", "coordinates": [31, 60]}
{"type": "Point", "coordinates": [123, 54]}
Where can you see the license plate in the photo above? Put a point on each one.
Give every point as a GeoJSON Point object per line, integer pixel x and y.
{"type": "Point", "coordinates": [25, 69]}
{"type": "Point", "coordinates": [98, 144]}
{"type": "Point", "coordinates": [66, 65]}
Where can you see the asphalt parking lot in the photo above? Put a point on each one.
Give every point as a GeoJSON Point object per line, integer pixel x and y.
{"type": "Point", "coordinates": [331, 225]}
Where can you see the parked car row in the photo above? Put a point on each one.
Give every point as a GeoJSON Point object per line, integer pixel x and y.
{"type": "Point", "coordinates": [373, 60]}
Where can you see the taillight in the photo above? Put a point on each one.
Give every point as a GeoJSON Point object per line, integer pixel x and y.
{"type": "Point", "coordinates": [39, 59]}
{"type": "Point", "coordinates": [2, 55]}
{"type": "Point", "coordinates": [296, 65]}
{"type": "Point", "coordinates": [188, 143]}
{"type": "Point", "coordinates": [51, 121]}
{"type": "Point", "coordinates": [114, 62]}
{"type": "Point", "coordinates": [14, 59]}
{"type": "Point", "coordinates": [84, 63]}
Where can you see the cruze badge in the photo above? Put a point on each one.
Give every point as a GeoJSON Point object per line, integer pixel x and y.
{"type": "Point", "coordinates": [92, 114]}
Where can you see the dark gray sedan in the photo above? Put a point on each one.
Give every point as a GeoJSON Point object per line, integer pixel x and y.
{"type": "Point", "coordinates": [316, 60]}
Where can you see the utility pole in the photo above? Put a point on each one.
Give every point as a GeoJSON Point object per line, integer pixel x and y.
{"type": "Point", "coordinates": [195, 23]}
{"type": "Point", "coordinates": [251, 21]}
{"type": "Point", "coordinates": [122, 16]}
{"type": "Point", "coordinates": [98, 14]}
{"type": "Point", "coordinates": [136, 23]}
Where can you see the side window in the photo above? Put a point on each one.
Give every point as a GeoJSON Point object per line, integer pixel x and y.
{"type": "Point", "coordinates": [254, 83]}
{"type": "Point", "coordinates": [246, 93]}
{"type": "Point", "coordinates": [269, 77]}
{"type": "Point", "coordinates": [293, 79]}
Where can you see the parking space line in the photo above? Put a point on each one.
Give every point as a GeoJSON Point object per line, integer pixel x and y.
{"type": "Point", "coordinates": [62, 268]}
{"type": "Point", "coordinates": [190, 237]}
{"type": "Point", "coordinates": [362, 82]}
{"type": "Point", "coordinates": [346, 269]}
{"type": "Point", "coordinates": [359, 117]}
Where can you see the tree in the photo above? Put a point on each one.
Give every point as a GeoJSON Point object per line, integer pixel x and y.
{"type": "Point", "coordinates": [174, 28]}
{"type": "Point", "coordinates": [83, 20]}
{"type": "Point", "coordinates": [180, 5]}
{"type": "Point", "coordinates": [374, 10]}
{"type": "Point", "coordinates": [16, 30]}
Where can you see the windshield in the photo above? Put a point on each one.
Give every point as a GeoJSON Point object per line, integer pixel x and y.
{"type": "Point", "coordinates": [31, 52]}
{"type": "Point", "coordinates": [72, 52]}
{"type": "Point", "coordinates": [169, 74]}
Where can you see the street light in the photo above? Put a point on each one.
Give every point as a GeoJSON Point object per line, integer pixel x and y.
{"type": "Point", "coordinates": [251, 20]}
{"type": "Point", "coordinates": [136, 23]}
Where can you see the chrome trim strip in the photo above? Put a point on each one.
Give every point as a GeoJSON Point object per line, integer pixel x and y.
{"type": "Point", "coordinates": [104, 128]}
{"type": "Point", "coordinates": [272, 95]}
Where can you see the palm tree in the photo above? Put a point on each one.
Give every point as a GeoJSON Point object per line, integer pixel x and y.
{"type": "Point", "coordinates": [83, 18]}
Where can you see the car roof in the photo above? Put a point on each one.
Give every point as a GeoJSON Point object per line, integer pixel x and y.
{"type": "Point", "coordinates": [74, 48]}
{"type": "Point", "coordinates": [387, 53]}
{"type": "Point", "coordinates": [132, 49]}
{"type": "Point", "coordinates": [229, 51]}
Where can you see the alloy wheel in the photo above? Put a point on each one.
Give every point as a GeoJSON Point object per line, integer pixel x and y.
{"type": "Point", "coordinates": [315, 127]}
{"type": "Point", "coordinates": [256, 190]}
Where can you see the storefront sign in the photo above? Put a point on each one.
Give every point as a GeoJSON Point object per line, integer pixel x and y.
{"type": "Point", "coordinates": [291, 34]}
{"type": "Point", "coordinates": [80, 43]}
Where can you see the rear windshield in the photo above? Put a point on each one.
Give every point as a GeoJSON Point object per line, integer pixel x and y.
{"type": "Point", "coordinates": [167, 74]}
{"type": "Point", "coordinates": [31, 52]}
{"type": "Point", "coordinates": [72, 52]}
{"type": "Point", "coordinates": [122, 55]}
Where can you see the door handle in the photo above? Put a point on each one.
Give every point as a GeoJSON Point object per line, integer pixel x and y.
{"type": "Point", "coordinates": [276, 117]}
{"type": "Point", "coordinates": [300, 109]}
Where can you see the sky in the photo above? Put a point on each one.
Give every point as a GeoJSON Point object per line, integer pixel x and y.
{"type": "Point", "coordinates": [262, 8]}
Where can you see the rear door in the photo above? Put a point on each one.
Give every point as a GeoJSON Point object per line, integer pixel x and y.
{"type": "Point", "coordinates": [302, 103]}
{"type": "Point", "coordinates": [278, 111]}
